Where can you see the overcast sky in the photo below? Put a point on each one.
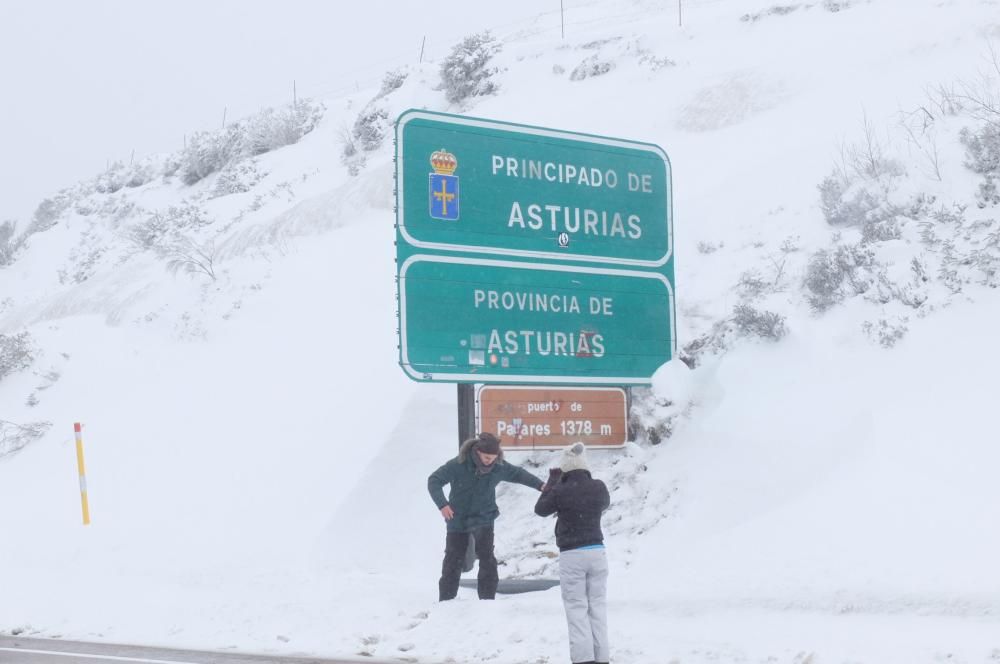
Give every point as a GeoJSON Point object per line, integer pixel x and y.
{"type": "Point", "coordinates": [88, 82]}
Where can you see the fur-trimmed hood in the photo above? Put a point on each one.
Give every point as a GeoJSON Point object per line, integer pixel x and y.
{"type": "Point", "coordinates": [466, 449]}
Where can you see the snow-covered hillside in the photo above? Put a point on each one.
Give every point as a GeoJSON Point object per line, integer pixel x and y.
{"type": "Point", "coordinates": [821, 487]}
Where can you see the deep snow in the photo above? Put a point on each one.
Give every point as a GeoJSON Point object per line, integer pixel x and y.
{"type": "Point", "coordinates": [257, 460]}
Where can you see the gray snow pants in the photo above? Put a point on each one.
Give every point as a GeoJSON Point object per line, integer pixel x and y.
{"type": "Point", "coordinates": [583, 578]}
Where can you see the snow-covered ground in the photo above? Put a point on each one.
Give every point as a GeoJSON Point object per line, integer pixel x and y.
{"type": "Point", "coordinates": [256, 460]}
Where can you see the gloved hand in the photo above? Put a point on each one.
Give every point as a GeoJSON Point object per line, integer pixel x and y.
{"type": "Point", "coordinates": [554, 475]}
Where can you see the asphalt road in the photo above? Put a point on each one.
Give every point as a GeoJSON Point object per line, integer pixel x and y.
{"type": "Point", "coordinates": [17, 650]}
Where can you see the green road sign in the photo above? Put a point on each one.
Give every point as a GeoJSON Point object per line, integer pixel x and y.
{"type": "Point", "coordinates": [472, 319]}
{"type": "Point", "coordinates": [531, 255]}
{"type": "Point", "coordinates": [473, 185]}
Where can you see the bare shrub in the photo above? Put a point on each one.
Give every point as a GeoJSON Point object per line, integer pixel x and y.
{"type": "Point", "coordinates": [15, 437]}
{"type": "Point", "coordinates": [755, 322]}
{"type": "Point", "coordinates": [185, 255]}
{"type": "Point", "coordinates": [919, 126]}
{"type": "Point", "coordinates": [752, 285]}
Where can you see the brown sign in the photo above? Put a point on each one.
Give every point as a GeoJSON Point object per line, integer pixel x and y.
{"type": "Point", "coordinates": [553, 417]}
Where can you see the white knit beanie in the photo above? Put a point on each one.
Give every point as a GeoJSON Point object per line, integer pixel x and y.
{"type": "Point", "coordinates": [574, 457]}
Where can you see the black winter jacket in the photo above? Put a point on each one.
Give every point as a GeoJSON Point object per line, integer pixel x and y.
{"type": "Point", "coordinates": [577, 500]}
{"type": "Point", "coordinates": [472, 496]}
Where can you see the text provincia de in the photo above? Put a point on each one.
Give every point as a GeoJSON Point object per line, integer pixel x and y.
{"type": "Point", "coordinates": [544, 342]}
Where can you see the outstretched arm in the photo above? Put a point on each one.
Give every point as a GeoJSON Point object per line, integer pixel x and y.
{"type": "Point", "coordinates": [521, 476]}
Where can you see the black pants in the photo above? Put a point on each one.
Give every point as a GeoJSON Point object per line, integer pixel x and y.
{"type": "Point", "coordinates": [454, 555]}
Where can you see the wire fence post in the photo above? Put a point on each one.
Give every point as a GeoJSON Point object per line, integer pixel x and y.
{"type": "Point", "coordinates": [423, 42]}
{"type": "Point", "coordinates": [562, 19]}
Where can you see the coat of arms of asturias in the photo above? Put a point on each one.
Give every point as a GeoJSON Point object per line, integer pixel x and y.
{"type": "Point", "coordinates": [444, 186]}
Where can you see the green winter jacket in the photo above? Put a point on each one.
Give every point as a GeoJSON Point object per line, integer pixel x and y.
{"type": "Point", "coordinates": [473, 497]}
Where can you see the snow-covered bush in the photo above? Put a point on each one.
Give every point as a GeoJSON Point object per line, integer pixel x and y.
{"type": "Point", "coordinates": [834, 274]}
{"type": "Point", "coordinates": [16, 353]}
{"type": "Point", "coordinates": [152, 231]}
{"type": "Point", "coordinates": [592, 66]}
{"type": "Point", "coordinates": [48, 212]}
{"type": "Point", "coordinates": [755, 322]}
{"type": "Point", "coordinates": [982, 152]}
{"type": "Point", "coordinates": [844, 205]}
{"type": "Point", "coordinates": [370, 129]}
{"type": "Point", "coordinates": [236, 179]}
{"type": "Point", "coordinates": [275, 128]}
{"type": "Point", "coordinates": [84, 261]}
{"type": "Point", "coordinates": [9, 243]}
{"type": "Point", "coordinates": [392, 81]}
{"type": "Point", "coordinates": [864, 203]}
{"type": "Point", "coordinates": [118, 176]}
{"type": "Point", "coordinates": [208, 152]}
{"type": "Point", "coordinates": [886, 332]}
{"type": "Point", "coordinates": [466, 72]}
{"type": "Point", "coordinates": [835, 5]}
{"type": "Point", "coordinates": [776, 10]}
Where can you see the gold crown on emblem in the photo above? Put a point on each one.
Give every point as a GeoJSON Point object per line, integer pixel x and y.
{"type": "Point", "coordinates": [444, 162]}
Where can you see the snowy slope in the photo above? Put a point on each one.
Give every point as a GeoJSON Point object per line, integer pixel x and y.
{"type": "Point", "coordinates": [257, 461]}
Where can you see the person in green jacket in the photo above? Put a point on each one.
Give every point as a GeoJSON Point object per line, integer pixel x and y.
{"type": "Point", "coordinates": [471, 509]}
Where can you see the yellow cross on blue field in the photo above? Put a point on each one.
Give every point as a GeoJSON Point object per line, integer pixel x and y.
{"type": "Point", "coordinates": [444, 196]}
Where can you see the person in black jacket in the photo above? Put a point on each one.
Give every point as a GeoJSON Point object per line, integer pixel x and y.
{"type": "Point", "coordinates": [578, 500]}
{"type": "Point", "coordinates": [471, 509]}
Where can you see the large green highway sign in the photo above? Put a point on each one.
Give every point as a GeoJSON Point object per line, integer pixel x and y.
{"type": "Point", "coordinates": [509, 190]}
{"type": "Point", "coordinates": [531, 255]}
